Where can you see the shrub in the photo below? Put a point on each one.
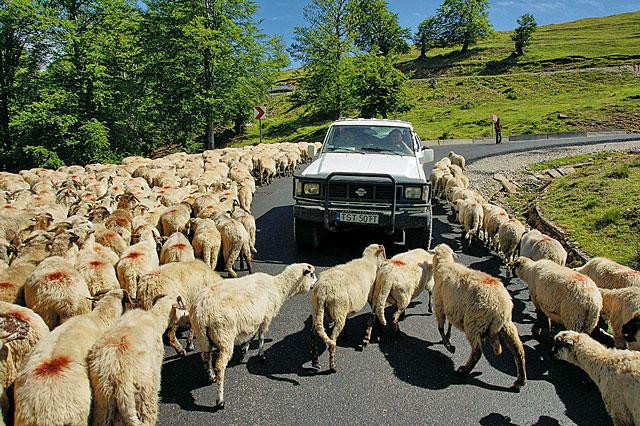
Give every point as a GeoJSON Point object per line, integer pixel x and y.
{"type": "Point", "coordinates": [591, 204]}
{"type": "Point", "coordinates": [512, 96]}
{"type": "Point", "coordinates": [611, 215]}
{"type": "Point", "coordinates": [39, 156]}
{"type": "Point", "coordinates": [620, 172]}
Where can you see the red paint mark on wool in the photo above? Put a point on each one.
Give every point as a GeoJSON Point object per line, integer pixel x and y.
{"type": "Point", "coordinates": [57, 276]}
{"type": "Point", "coordinates": [576, 276]}
{"type": "Point", "coordinates": [96, 263]}
{"type": "Point", "coordinates": [134, 255]}
{"type": "Point", "coordinates": [22, 316]}
{"type": "Point", "coordinates": [398, 262]}
{"type": "Point", "coordinates": [490, 281]}
{"type": "Point", "coordinates": [110, 235]}
{"type": "Point", "coordinates": [52, 367]}
{"type": "Point", "coordinates": [6, 285]}
{"type": "Point", "coordinates": [179, 246]}
{"type": "Point", "coordinates": [121, 221]}
{"type": "Point", "coordinates": [173, 211]}
{"type": "Point", "coordinates": [121, 343]}
{"type": "Point", "coordinates": [8, 206]}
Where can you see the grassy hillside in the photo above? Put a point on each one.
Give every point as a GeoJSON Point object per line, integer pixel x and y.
{"type": "Point", "coordinates": [583, 69]}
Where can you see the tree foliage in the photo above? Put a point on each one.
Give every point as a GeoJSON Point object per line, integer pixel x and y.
{"type": "Point", "coordinates": [463, 22]}
{"type": "Point", "coordinates": [428, 35]}
{"type": "Point", "coordinates": [527, 25]}
{"type": "Point", "coordinates": [94, 80]}
{"type": "Point", "coordinates": [376, 27]}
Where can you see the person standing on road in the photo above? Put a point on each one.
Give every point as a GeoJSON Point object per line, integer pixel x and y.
{"type": "Point", "coordinates": [498, 128]}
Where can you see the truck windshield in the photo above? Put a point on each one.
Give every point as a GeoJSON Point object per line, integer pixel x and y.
{"type": "Point", "coordinates": [370, 139]}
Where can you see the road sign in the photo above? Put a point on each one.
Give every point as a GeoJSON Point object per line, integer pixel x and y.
{"type": "Point", "coordinates": [259, 112]}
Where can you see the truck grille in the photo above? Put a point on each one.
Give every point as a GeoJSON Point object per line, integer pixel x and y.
{"type": "Point", "coordinates": [349, 191]}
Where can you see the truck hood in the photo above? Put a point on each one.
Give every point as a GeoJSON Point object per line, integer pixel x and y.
{"type": "Point", "coordinates": [400, 167]}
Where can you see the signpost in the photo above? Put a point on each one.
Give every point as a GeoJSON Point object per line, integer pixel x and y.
{"type": "Point", "coordinates": [259, 112]}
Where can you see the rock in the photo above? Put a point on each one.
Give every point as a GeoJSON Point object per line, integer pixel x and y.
{"type": "Point", "coordinates": [509, 186]}
{"type": "Point", "coordinates": [567, 170]}
{"type": "Point", "coordinates": [554, 173]}
{"type": "Point", "coordinates": [563, 116]}
{"type": "Point", "coordinates": [541, 176]}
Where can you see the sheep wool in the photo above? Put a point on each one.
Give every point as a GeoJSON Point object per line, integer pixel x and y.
{"type": "Point", "coordinates": [609, 274]}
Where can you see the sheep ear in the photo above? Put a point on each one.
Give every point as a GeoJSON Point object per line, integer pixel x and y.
{"type": "Point", "coordinates": [180, 303]}
{"type": "Point", "coordinates": [308, 269]}
{"type": "Point", "coordinates": [382, 251]}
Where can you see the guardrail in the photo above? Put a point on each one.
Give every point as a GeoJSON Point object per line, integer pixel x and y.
{"type": "Point", "coordinates": [520, 138]}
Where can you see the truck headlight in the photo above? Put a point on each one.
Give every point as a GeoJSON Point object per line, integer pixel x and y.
{"type": "Point", "coordinates": [412, 192]}
{"type": "Point", "coordinates": [311, 189]}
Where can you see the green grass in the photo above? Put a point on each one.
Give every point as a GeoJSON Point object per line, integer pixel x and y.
{"type": "Point", "coordinates": [524, 94]}
{"type": "Point", "coordinates": [576, 159]}
{"type": "Point", "coordinates": [601, 214]}
{"type": "Point", "coordinates": [594, 42]}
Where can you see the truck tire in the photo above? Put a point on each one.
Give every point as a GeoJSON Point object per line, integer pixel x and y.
{"type": "Point", "coordinates": [306, 234]}
{"type": "Point", "coordinates": [418, 237]}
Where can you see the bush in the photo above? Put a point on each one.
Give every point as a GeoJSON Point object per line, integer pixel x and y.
{"type": "Point", "coordinates": [512, 96]}
{"type": "Point", "coordinates": [611, 215]}
{"type": "Point", "coordinates": [39, 156]}
{"type": "Point", "coordinates": [591, 204]}
{"type": "Point", "coordinates": [620, 172]}
{"type": "Point", "coordinates": [91, 144]}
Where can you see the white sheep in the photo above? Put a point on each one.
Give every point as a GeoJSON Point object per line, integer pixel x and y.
{"type": "Point", "coordinates": [235, 310]}
{"type": "Point", "coordinates": [478, 305]}
{"type": "Point", "coordinates": [206, 241]}
{"type": "Point", "coordinates": [56, 291]}
{"type": "Point", "coordinates": [125, 363]}
{"type": "Point", "coordinates": [560, 295]}
{"type": "Point", "coordinates": [509, 235]}
{"type": "Point", "coordinates": [616, 373]}
{"type": "Point", "coordinates": [399, 280]}
{"type": "Point", "coordinates": [12, 281]}
{"type": "Point", "coordinates": [236, 242]}
{"type": "Point", "coordinates": [138, 260]}
{"type": "Point", "coordinates": [99, 274]}
{"type": "Point", "coordinates": [535, 245]}
{"type": "Point", "coordinates": [343, 290]}
{"type": "Point", "coordinates": [177, 248]}
{"type": "Point", "coordinates": [609, 274]}
{"type": "Point", "coordinates": [176, 219]}
{"type": "Point", "coordinates": [53, 387]}
{"type": "Point", "coordinates": [457, 159]}
{"type": "Point", "coordinates": [621, 308]}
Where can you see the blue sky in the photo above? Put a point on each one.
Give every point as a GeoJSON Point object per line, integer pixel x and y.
{"type": "Point", "coordinates": [280, 16]}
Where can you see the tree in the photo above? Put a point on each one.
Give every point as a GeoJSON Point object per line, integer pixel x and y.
{"type": "Point", "coordinates": [376, 27]}
{"type": "Point", "coordinates": [527, 25]}
{"type": "Point", "coordinates": [463, 22]}
{"type": "Point", "coordinates": [379, 87]}
{"type": "Point", "coordinates": [324, 47]}
{"type": "Point", "coordinates": [428, 35]}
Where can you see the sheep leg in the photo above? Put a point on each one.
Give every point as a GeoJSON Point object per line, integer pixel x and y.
{"type": "Point", "coordinates": [337, 328]}
{"type": "Point", "coordinates": [315, 362]}
{"type": "Point", "coordinates": [230, 260]}
{"type": "Point", "coordinates": [474, 357]}
{"type": "Point", "coordinates": [510, 334]}
{"type": "Point", "coordinates": [244, 349]}
{"type": "Point", "coordinates": [173, 340]}
{"type": "Point", "coordinates": [445, 338]}
{"type": "Point", "coordinates": [367, 333]}
{"type": "Point", "coordinates": [190, 346]}
{"type": "Point", "coordinates": [148, 408]}
{"type": "Point", "coordinates": [261, 334]}
{"type": "Point", "coordinates": [394, 321]}
{"type": "Point", "coordinates": [430, 308]}
{"type": "Point", "coordinates": [221, 365]}
{"type": "Point", "coordinates": [542, 326]}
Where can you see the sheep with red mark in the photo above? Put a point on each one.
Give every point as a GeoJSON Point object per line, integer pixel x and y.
{"type": "Point", "coordinates": [607, 273]}
{"type": "Point", "coordinates": [478, 305]}
{"type": "Point", "coordinates": [53, 387]}
{"type": "Point", "coordinates": [535, 245]}
{"type": "Point", "coordinates": [177, 248]}
{"type": "Point", "coordinates": [112, 240]}
{"type": "Point", "coordinates": [137, 260]}
{"type": "Point", "coordinates": [176, 219]}
{"type": "Point", "coordinates": [493, 217]}
{"type": "Point", "coordinates": [98, 273]}
{"type": "Point", "coordinates": [125, 364]}
{"type": "Point", "coordinates": [236, 242]}
{"type": "Point", "coordinates": [621, 309]}
{"type": "Point", "coordinates": [342, 291]}
{"type": "Point", "coordinates": [20, 330]}
{"type": "Point", "coordinates": [12, 281]}
{"type": "Point", "coordinates": [560, 295]}
{"type": "Point", "coordinates": [235, 310]}
{"type": "Point", "coordinates": [400, 280]}
{"type": "Point", "coordinates": [56, 291]}
{"type": "Point", "coordinates": [206, 241]}
{"type": "Point", "coordinates": [185, 279]}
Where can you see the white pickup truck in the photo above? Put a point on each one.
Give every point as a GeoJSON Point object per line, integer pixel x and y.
{"type": "Point", "coordinates": [369, 173]}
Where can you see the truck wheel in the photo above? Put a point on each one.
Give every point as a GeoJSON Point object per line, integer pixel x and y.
{"type": "Point", "coordinates": [417, 238]}
{"type": "Point", "coordinates": [306, 234]}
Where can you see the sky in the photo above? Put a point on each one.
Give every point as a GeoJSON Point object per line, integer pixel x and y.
{"type": "Point", "coordinates": [279, 17]}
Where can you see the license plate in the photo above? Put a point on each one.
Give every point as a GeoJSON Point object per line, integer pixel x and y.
{"type": "Point", "coordinates": [358, 217]}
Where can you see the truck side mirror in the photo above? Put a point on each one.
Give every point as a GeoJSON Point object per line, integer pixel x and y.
{"type": "Point", "coordinates": [426, 155]}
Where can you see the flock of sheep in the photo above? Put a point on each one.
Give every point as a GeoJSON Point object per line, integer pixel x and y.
{"type": "Point", "coordinates": [98, 262]}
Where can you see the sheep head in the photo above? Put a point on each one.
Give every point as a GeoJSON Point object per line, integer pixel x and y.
{"type": "Point", "coordinates": [564, 345]}
{"type": "Point", "coordinates": [377, 251]}
{"type": "Point", "coordinates": [12, 328]}
{"type": "Point", "coordinates": [631, 330]}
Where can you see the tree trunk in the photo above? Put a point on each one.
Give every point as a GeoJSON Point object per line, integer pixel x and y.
{"type": "Point", "coordinates": [208, 84]}
{"type": "Point", "coordinates": [465, 46]}
{"type": "Point", "coordinates": [211, 138]}
{"type": "Point", "coordinates": [519, 49]}
{"type": "Point", "coordinates": [423, 49]}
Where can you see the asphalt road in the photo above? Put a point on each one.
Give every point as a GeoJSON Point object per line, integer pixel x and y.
{"type": "Point", "coordinates": [407, 380]}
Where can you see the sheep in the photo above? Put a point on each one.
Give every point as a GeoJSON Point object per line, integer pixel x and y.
{"type": "Point", "coordinates": [56, 291]}
{"type": "Point", "coordinates": [471, 217]}
{"type": "Point", "coordinates": [138, 260]}
{"type": "Point", "coordinates": [621, 308]}
{"type": "Point", "coordinates": [608, 274]}
{"type": "Point", "coordinates": [442, 164]}
{"type": "Point", "coordinates": [125, 363]}
{"type": "Point", "coordinates": [98, 273]}
{"type": "Point", "coordinates": [268, 170]}
{"type": "Point", "coordinates": [494, 216]}
{"type": "Point", "coordinates": [177, 248]}
{"type": "Point", "coordinates": [176, 219]}
{"type": "Point", "coordinates": [249, 223]}
{"type": "Point", "coordinates": [236, 242]}
{"type": "Point", "coordinates": [36, 248]}
{"type": "Point", "coordinates": [185, 279]}
{"type": "Point", "coordinates": [206, 241]}
{"type": "Point", "coordinates": [112, 240]}
{"type": "Point", "coordinates": [343, 291]}
{"type": "Point", "coordinates": [399, 280]}
{"type": "Point", "coordinates": [457, 159]}
{"type": "Point", "coordinates": [560, 295]}
{"type": "Point", "coordinates": [12, 281]}
{"type": "Point", "coordinates": [535, 245]}
{"type": "Point", "coordinates": [615, 372]}
{"type": "Point", "coordinates": [20, 330]}
{"type": "Point", "coordinates": [509, 235]}
{"type": "Point", "coordinates": [478, 305]}
{"type": "Point", "coordinates": [53, 387]}
{"type": "Point", "coordinates": [235, 310]}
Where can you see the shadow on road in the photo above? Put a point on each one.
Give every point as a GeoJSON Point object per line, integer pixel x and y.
{"type": "Point", "coordinates": [181, 376]}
